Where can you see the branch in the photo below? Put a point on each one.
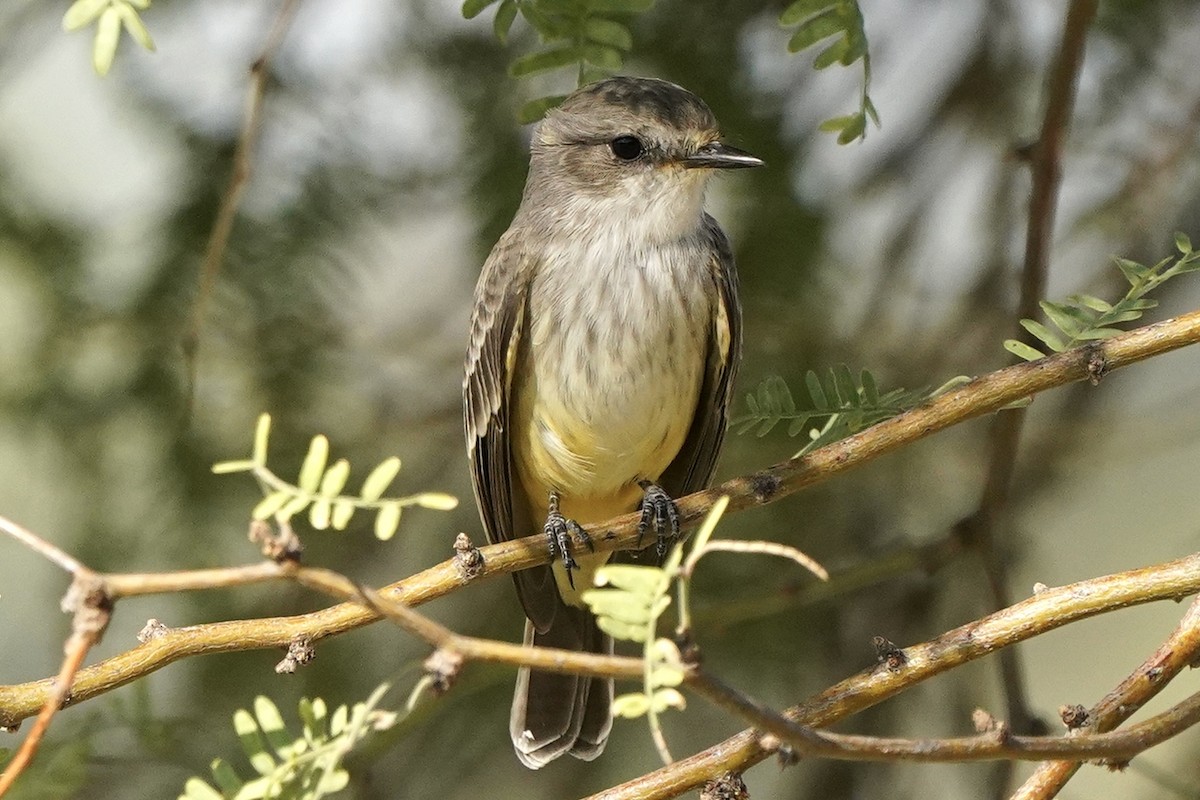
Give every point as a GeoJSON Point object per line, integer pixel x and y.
{"type": "Point", "coordinates": [984, 395]}
{"type": "Point", "coordinates": [1179, 651]}
{"type": "Point", "coordinates": [1045, 611]}
{"type": "Point", "coordinates": [218, 240]}
{"type": "Point", "coordinates": [1006, 429]}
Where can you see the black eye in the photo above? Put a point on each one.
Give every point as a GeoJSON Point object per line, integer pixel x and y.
{"type": "Point", "coordinates": [627, 148]}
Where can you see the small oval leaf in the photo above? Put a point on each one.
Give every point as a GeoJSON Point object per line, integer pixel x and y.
{"type": "Point", "coordinates": [387, 521]}
{"type": "Point", "coordinates": [334, 479]}
{"type": "Point", "coordinates": [314, 464]}
{"type": "Point", "coordinates": [379, 479]}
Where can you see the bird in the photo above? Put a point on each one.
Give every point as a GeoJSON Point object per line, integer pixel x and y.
{"type": "Point", "coordinates": [604, 341]}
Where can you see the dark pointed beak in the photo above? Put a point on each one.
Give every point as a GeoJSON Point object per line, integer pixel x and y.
{"type": "Point", "coordinates": [717, 155]}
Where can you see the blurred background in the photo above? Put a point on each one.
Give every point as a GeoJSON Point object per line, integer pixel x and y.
{"type": "Point", "coordinates": [390, 161]}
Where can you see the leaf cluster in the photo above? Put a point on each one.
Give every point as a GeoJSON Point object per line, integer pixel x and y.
{"type": "Point", "coordinates": [291, 767]}
{"type": "Point", "coordinates": [591, 36]}
{"type": "Point", "coordinates": [846, 403]}
{"type": "Point", "coordinates": [1084, 317]}
{"type": "Point", "coordinates": [817, 21]}
{"type": "Point", "coordinates": [109, 16]}
{"type": "Point", "coordinates": [318, 489]}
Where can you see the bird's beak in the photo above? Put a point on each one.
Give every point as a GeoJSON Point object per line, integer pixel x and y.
{"type": "Point", "coordinates": [717, 155]}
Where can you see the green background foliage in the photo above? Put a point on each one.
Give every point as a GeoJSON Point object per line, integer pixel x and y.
{"type": "Point", "coordinates": [388, 165]}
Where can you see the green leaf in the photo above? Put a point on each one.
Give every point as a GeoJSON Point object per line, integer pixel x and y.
{"type": "Point", "coordinates": [473, 8]}
{"type": "Point", "coordinates": [630, 706]}
{"type": "Point", "coordinates": [870, 388]}
{"type": "Point", "coordinates": [1044, 334]}
{"type": "Point", "coordinates": [387, 521]}
{"type": "Point", "coordinates": [134, 25]}
{"type": "Point", "coordinates": [314, 464]}
{"type": "Point", "coordinates": [380, 478]}
{"type": "Point", "coordinates": [196, 789]}
{"type": "Point", "coordinates": [624, 607]}
{"type": "Point", "coordinates": [545, 60]}
{"type": "Point", "coordinates": [270, 505]}
{"type": "Point", "coordinates": [438, 501]}
{"type": "Point", "coordinates": [319, 512]}
{"type": "Point", "coordinates": [226, 467]}
{"type": "Point", "coordinates": [293, 507]}
{"type": "Point", "coordinates": [621, 630]}
{"type": "Point", "coordinates": [343, 510]}
{"type": "Point", "coordinates": [253, 744]}
{"type": "Point", "coordinates": [606, 31]}
{"type": "Point", "coordinates": [502, 24]}
{"type": "Point", "coordinates": [667, 698]}
{"type": "Point", "coordinates": [836, 124]}
{"type": "Point", "coordinates": [82, 13]}
{"type": "Point", "coordinates": [869, 108]}
{"type": "Point", "coordinates": [813, 383]}
{"type": "Point", "coordinates": [1022, 350]}
{"type": "Point", "coordinates": [270, 722]}
{"type": "Point", "coordinates": [834, 54]}
{"type": "Point", "coordinates": [104, 48]}
{"type": "Point", "coordinates": [226, 777]}
{"type": "Point", "coordinates": [854, 130]}
{"type": "Point", "coordinates": [607, 58]}
{"type": "Point", "coordinates": [803, 9]}
{"type": "Point", "coordinates": [1092, 302]}
{"type": "Point", "coordinates": [335, 478]}
{"type": "Point", "coordinates": [1133, 271]}
{"type": "Point", "coordinates": [534, 110]}
{"type": "Point", "coordinates": [1182, 243]}
{"type": "Point", "coordinates": [817, 27]}
{"type": "Point", "coordinates": [1069, 319]}
{"type": "Point", "coordinates": [262, 430]}
{"type": "Point", "coordinates": [640, 580]}
{"type": "Point", "coordinates": [846, 388]}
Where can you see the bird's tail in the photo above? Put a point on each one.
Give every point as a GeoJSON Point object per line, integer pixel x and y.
{"type": "Point", "coordinates": [555, 713]}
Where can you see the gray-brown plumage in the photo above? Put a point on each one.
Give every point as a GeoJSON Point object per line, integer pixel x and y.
{"type": "Point", "coordinates": [604, 341]}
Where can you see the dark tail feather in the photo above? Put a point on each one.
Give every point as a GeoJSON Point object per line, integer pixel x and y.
{"type": "Point", "coordinates": [554, 713]}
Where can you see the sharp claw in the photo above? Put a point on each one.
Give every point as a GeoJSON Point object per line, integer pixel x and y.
{"type": "Point", "coordinates": [558, 530]}
{"type": "Point", "coordinates": [660, 513]}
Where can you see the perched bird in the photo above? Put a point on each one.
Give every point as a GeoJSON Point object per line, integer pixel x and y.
{"type": "Point", "coordinates": [604, 340]}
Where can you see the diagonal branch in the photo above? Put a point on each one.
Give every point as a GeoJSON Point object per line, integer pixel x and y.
{"type": "Point", "coordinates": [984, 395]}
{"type": "Point", "coordinates": [1179, 651]}
{"type": "Point", "coordinates": [1005, 436]}
{"type": "Point", "coordinates": [1049, 609]}
{"type": "Point", "coordinates": [218, 239]}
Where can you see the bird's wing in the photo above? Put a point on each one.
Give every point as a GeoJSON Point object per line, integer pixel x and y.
{"type": "Point", "coordinates": [497, 323]}
{"type": "Point", "coordinates": [693, 468]}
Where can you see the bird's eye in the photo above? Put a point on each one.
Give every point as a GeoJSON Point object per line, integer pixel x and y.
{"type": "Point", "coordinates": [627, 148]}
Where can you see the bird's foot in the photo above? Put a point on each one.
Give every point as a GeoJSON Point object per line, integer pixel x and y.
{"type": "Point", "coordinates": [559, 530]}
{"type": "Point", "coordinates": [660, 514]}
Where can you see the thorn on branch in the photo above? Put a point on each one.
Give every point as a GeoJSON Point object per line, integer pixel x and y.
{"type": "Point", "coordinates": [468, 561]}
{"type": "Point", "coordinates": [985, 723]}
{"type": "Point", "coordinates": [300, 651]}
{"type": "Point", "coordinates": [443, 667]}
{"type": "Point", "coordinates": [764, 485]}
{"type": "Point", "coordinates": [1074, 716]}
{"type": "Point", "coordinates": [1097, 364]}
{"type": "Point", "coordinates": [728, 786]}
{"type": "Point", "coordinates": [153, 629]}
{"type": "Point", "coordinates": [282, 547]}
{"type": "Point", "coordinates": [889, 654]}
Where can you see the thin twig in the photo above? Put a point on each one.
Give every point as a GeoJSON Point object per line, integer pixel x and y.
{"type": "Point", "coordinates": [990, 746]}
{"type": "Point", "coordinates": [1179, 651]}
{"type": "Point", "coordinates": [1049, 609]}
{"type": "Point", "coordinates": [231, 199]}
{"type": "Point", "coordinates": [983, 395]}
{"type": "Point", "coordinates": [1006, 430]}
{"type": "Point", "coordinates": [41, 546]}
{"type": "Point", "coordinates": [767, 549]}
